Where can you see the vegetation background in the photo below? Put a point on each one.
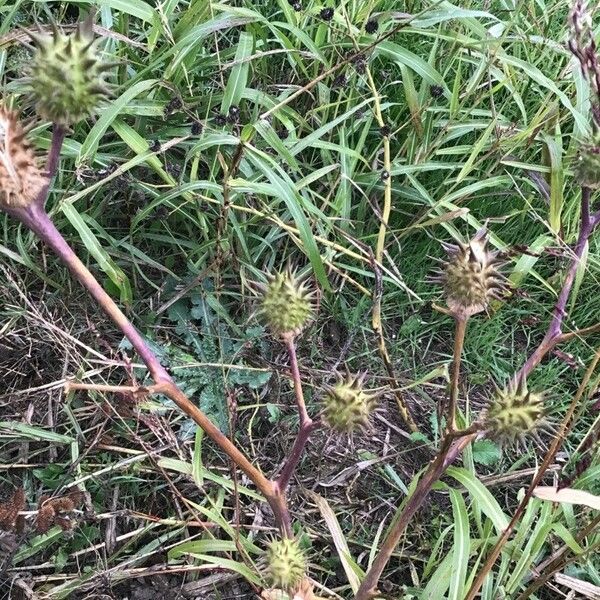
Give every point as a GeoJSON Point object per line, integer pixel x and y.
{"type": "Point", "coordinates": [483, 106]}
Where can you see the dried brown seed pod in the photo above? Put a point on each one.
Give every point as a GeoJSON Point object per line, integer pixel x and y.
{"type": "Point", "coordinates": [471, 277]}
{"type": "Point", "coordinates": [9, 510]}
{"type": "Point", "coordinates": [21, 179]}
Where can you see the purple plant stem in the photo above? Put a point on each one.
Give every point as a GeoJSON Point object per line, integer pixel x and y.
{"type": "Point", "coordinates": [554, 333]}
{"type": "Point", "coordinates": [293, 459]}
{"type": "Point", "coordinates": [290, 344]}
{"type": "Point", "coordinates": [36, 219]}
{"type": "Point", "coordinates": [58, 137]}
{"type": "Point", "coordinates": [451, 449]}
{"type": "Point", "coordinates": [307, 425]}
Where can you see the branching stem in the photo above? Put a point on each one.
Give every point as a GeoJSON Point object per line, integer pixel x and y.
{"type": "Point", "coordinates": [307, 425]}
{"type": "Point", "coordinates": [554, 335]}
{"type": "Point", "coordinates": [451, 449]}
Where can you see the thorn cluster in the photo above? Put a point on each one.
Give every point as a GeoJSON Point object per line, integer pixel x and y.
{"type": "Point", "coordinates": [66, 76]}
{"type": "Point", "coordinates": [286, 563]}
{"type": "Point", "coordinates": [514, 413]}
{"type": "Point", "coordinates": [470, 277]}
{"type": "Point", "coordinates": [347, 406]}
{"type": "Point", "coordinates": [286, 303]}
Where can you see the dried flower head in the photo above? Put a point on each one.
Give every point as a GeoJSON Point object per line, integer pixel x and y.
{"type": "Point", "coordinates": [57, 511]}
{"type": "Point", "coordinates": [470, 277]}
{"type": "Point", "coordinates": [582, 44]}
{"type": "Point", "coordinates": [286, 303]}
{"type": "Point", "coordinates": [67, 77]}
{"type": "Point", "coordinates": [347, 406]}
{"type": "Point", "coordinates": [514, 413]}
{"type": "Point", "coordinates": [286, 563]}
{"type": "Point", "coordinates": [21, 180]}
{"type": "Point", "coordinates": [9, 510]}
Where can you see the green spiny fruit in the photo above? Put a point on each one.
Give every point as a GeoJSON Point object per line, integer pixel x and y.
{"type": "Point", "coordinates": [587, 167]}
{"type": "Point", "coordinates": [66, 75]}
{"type": "Point", "coordinates": [286, 563]}
{"type": "Point", "coordinates": [514, 413]}
{"type": "Point", "coordinates": [347, 406]}
{"type": "Point", "coordinates": [286, 304]}
{"type": "Point", "coordinates": [470, 277]}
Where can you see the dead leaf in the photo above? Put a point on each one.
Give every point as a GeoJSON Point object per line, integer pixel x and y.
{"type": "Point", "coordinates": [568, 496]}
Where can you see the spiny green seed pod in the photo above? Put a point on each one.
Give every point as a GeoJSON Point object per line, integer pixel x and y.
{"type": "Point", "coordinates": [587, 166]}
{"type": "Point", "coordinates": [514, 413]}
{"type": "Point", "coordinates": [286, 563]}
{"type": "Point", "coordinates": [470, 277]}
{"type": "Point", "coordinates": [21, 179]}
{"type": "Point", "coordinates": [66, 75]}
{"type": "Point", "coordinates": [347, 406]}
{"type": "Point", "coordinates": [286, 304]}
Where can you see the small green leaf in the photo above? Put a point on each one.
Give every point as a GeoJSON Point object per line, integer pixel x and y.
{"type": "Point", "coordinates": [486, 452]}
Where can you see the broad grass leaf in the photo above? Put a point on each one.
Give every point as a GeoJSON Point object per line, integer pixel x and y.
{"type": "Point", "coordinates": [480, 494]}
{"type": "Point", "coordinates": [353, 572]}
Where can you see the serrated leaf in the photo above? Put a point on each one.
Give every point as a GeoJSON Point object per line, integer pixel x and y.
{"type": "Point", "coordinates": [486, 452]}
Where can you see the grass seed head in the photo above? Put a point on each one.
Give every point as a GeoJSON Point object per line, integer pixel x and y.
{"type": "Point", "coordinates": [514, 413]}
{"type": "Point", "coordinates": [286, 304]}
{"type": "Point", "coordinates": [21, 179]}
{"type": "Point", "coordinates": [286, 563]}
{"type": "Point", "coordinates": [470, 277]}
{"type": "Point", "coordinates": [67, 76]}
{"type": "Point", "coordinates": [347, 406]}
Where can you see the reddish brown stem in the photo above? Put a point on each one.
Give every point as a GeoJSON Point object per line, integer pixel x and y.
{"type": "Point", "coordinates": [554, 334]}
{"type": "Point", "coordinates": [307, 425]}
{"type": "Point", "coordinates": [451, 449]}
{"type": "Point", "coordinates": [36, 219]}
{"type": "Point", "coordinates": [295, 454]}
{"type": "Point", "coordinates": [215, 434]}
{"type": "Point", "coordinates": [290, 345]}
{"type": "Point", "coordinates": [548, 459]}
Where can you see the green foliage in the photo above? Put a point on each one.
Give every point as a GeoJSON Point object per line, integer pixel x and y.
{"type": "Point", "coordinates": [485, 116]}
{"type": "Point", "coordinates": [208, 360]}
